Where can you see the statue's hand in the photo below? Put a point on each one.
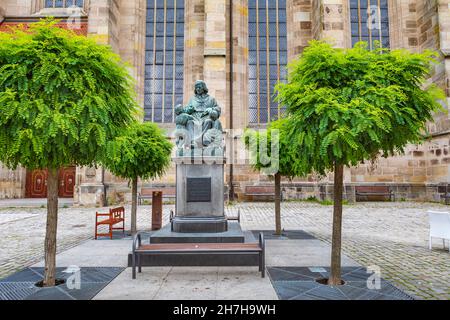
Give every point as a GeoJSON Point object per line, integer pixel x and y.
{"type": "Point", "coordinates": [189, 109]}
{"type": "Point", "coordinates": [207, 112]}
{"type": "Point", "coordinates": [214, 115]}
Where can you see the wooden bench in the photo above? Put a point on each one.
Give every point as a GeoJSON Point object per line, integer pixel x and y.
{"type": "Point", "coordinates": [147, 193]}
{"type": "Point", "coordinates": [261, 191]}
{"type": "Point", "coordinates": [365, 191]}
{"type": "Point", "coordinates": [115, 216]}
{"type": "Point", "coordinates": [139, 249]}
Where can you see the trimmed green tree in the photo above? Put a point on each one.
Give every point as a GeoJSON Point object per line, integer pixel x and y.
{"type": "Point", "coordinates": [62, 97]}
{"type": "Point", "coordinates": [351, 105]}
{"type": "Point", "coordinates": [141, 151]}
{"type": "Point", "coordinates": [272, 153]}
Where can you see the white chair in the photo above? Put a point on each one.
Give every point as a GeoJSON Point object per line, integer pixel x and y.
{"type": "Point", "coordinates": [439, 226]}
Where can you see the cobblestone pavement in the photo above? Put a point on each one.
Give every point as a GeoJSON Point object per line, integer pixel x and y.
{"type": "Point", "coordinates": [22, 232]}
{"type": "Point", "coordinates": [393, 236]}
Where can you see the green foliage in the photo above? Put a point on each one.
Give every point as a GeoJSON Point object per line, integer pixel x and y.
{"type": "Point", "coordinates": [288, 153]}
{"type": "Point", "coordinates": [141, 151]}
{"type": "Point", "coordinates": [349, 105]}
{"type": "Point", "coordinates": [326, 202]}
{"type": "Point", "coordinates": [62, 97]}
{"type": "Point", "coordinates": [311, 199]}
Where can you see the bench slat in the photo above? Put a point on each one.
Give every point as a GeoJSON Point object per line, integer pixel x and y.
{"type": "Point", "coordinates": [372, 193]}
{"type": "Point", "coordinates": [259, 190]}
{"type": "Point", "coordinates": [372, 189]}
{"type": "Point", "coordinates": [113, 221]}
{"type": "Point", "coordinates": [183, 247]}
{"type": "Point", "coordinates": [365, 191]}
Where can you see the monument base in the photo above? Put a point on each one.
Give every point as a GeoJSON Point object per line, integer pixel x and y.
{"type": "Point", "coordinates": [234, 234]}
{"type": "Point", "coordinates": [199, 224]}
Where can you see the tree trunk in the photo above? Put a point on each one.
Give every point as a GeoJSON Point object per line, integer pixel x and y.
{"type": "Point", "coordinates": [134, 183]}
{"type": "Point", "coordinates": [52, 224]}
{"type": "Point", "coordinates": [335, 276]}
{"type": "Point", "coordinates": [277, 204]}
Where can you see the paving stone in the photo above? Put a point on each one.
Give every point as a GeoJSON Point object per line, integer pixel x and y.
{"type": "Point", "coordinates": [285, 235]}
{"type": "Point", "coordinates": [392, 236]}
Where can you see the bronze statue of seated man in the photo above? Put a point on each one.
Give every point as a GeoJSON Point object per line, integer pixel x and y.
{"type": "Point", "coordinates": [200, 115]}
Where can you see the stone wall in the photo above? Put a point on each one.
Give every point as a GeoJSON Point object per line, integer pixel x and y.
{"type": "Point", "coordinates": [299, 24]}
{"type": "Point", "coordinates": [333, 23]}
{"type": "Point", "coordinates": [423, 169]}
{"type": "Point", "coordinates": [240, 65]}
{"type": "Point", "coordinates": [215, 68]}
{"type": "Point", "coordinates": [421, 173]}
{"type": "Point", "coordinates": [131, 37]}
{"type": "Point", "coordinates": [12, 183]}
{"type": "Point", "coordinates": [103, 23]}
{"type": "Point", "coordinates": [194, 41]}
{"type": "Point", "coordinates": [17, 8]}
{"type": "Point", "coordinates": [316, 19]}
{"type": "Point", "coordinates": [429, 38]}
{"type": "Point", "coordinates": [444, 45]}
{"type": "Point", "coordinates": [2, 13]}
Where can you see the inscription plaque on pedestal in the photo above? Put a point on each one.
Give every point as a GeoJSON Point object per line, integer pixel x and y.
{"type": "Point", "coordinates": [198, 189]}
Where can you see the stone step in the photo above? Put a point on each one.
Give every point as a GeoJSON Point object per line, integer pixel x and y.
{"type": "Point", "coordinates": [199, 224]}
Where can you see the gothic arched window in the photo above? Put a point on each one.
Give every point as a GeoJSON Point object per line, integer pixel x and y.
{"type": "Point", "coordinates": [164, 61]}
{"type": "Point", "coordinates": [267, 57]}
{"type": "Point", "coordinates": [63, 3]}
{"type": "Point", "coordinates": [370, 22]}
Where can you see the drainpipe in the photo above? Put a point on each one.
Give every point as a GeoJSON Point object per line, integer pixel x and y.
{"type": "Point", "coordinates": [230, 186]}
{"type": "Point", "coordinates": [105, 200]}
{"type": "Point", "coordinates": [2, 15]}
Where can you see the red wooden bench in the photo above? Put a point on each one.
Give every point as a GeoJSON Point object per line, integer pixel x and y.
{"type": "Point", "coordinates": [261, 191]}
{"type": "Point", "coordinates": [366, 192]}
{"type": "Point", "coordinates": [115, 216]}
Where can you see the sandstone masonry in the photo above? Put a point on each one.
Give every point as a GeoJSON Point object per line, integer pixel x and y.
{"type": "Point", "coordinates": [216, 41]}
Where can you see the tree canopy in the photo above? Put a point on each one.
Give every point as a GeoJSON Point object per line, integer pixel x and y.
{"type": "Point", "coordinates": [62, 97]}
{"type": "Point", "coordinates": [141, 151]}
{"type": "Point", "coordinates": [259, 144]}
{"type": "Point", "coordinates": [348, 105]}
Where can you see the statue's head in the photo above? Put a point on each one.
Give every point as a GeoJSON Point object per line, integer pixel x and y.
{"type": "Point", "coordinates": [200, 87]}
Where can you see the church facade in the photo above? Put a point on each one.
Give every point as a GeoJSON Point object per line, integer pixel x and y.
{"type": "Point", "coordinates": [241, 48]}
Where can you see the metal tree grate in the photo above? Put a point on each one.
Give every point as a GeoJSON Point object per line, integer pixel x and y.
{"type": "Point", "coordinates": [20, 286]}
{"type": "Point", "coordinates": [299, 283]}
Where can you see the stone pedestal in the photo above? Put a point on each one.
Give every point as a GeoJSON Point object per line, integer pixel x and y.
{"type": "Point", "coordinates": [199, 195]}
{"type": "Point", "coordinates": [234, 234]}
